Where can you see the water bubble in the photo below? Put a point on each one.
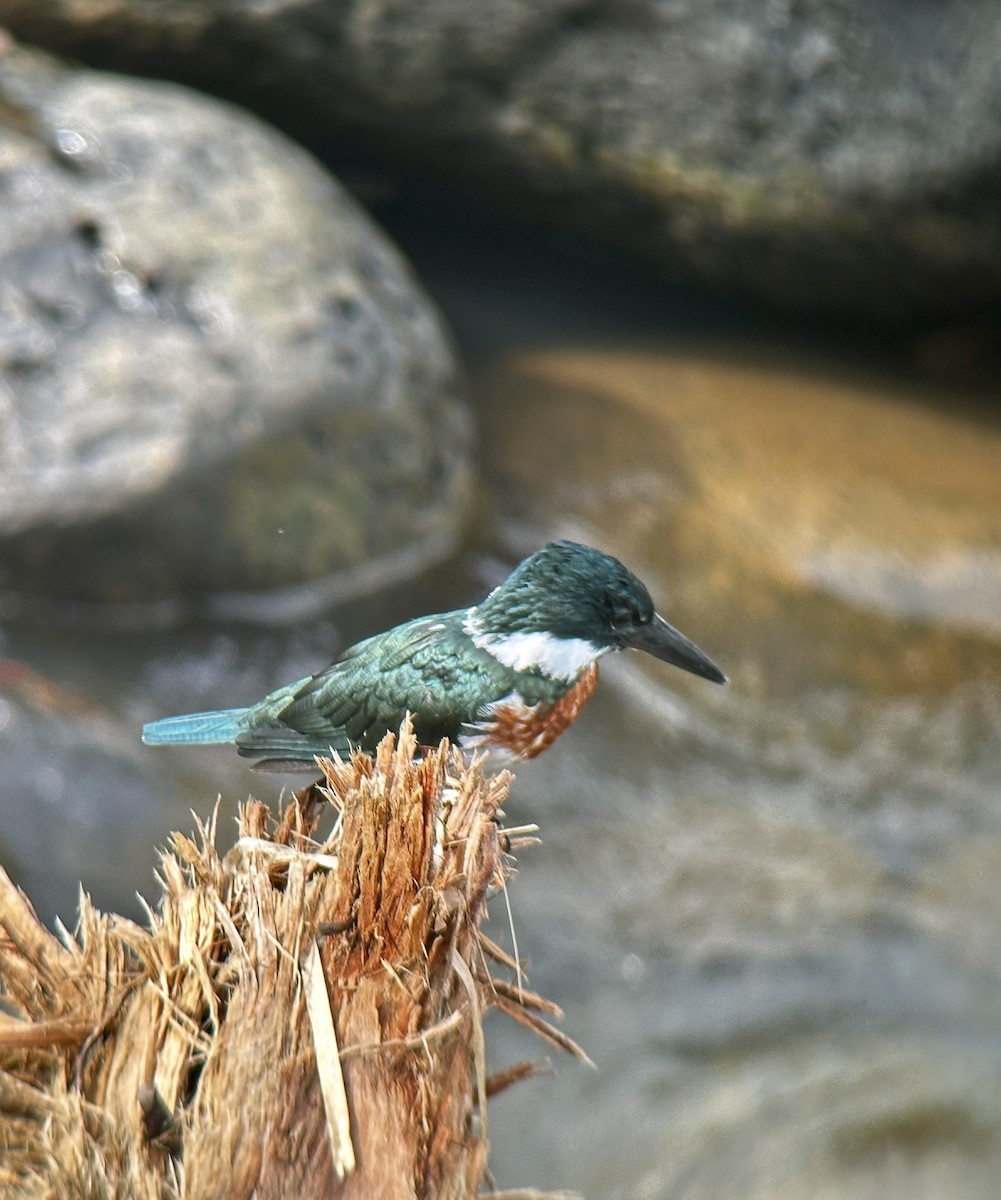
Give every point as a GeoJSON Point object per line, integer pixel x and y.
{"type": "Point", "coordinates": [71, 142]}
{"type": "Point", "coordinates": [128, 290]}
{"type": "Point", "coordinates": [632, 968]}
{"type": "Point", "coordinates": [75, 148]}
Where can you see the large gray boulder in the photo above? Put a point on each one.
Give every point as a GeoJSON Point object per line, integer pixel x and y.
{"type": "Point", "coordinates": [216, 375]}
{"type": "Point", "coordinates": [828, 154]}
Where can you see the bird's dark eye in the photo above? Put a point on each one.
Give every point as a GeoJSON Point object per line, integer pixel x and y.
{"type": "Point", "coordinates": [621, 615]}
{"type": "Point", "coordinates": [625, 610]}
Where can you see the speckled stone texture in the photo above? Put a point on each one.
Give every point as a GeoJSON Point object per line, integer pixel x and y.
{"type": "Point", "coordinates": [216, 374]}
{"type": "Point", "coordinates": [827, 154]}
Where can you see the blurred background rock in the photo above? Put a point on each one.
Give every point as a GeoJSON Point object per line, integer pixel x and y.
{"type": "Point", "coordinates": [218, 376]}
{"type": "Point", "coordinates": [817, 153]}
{"type": "Point", "coordinates": [724, 281]}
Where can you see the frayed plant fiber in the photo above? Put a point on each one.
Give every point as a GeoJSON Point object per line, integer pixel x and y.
{"type": "Point", "coordinates": [300, 1017]}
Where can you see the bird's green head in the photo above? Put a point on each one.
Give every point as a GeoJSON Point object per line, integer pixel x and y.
{"type": "Point", "coordinates": [577, 596]}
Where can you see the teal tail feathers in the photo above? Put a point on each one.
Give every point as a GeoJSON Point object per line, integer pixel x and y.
{"type": "Point", "coordinates": [196, 729]}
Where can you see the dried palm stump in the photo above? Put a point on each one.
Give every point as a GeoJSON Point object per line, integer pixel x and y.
{"type": "Point", "coordinates": [301, 1017]}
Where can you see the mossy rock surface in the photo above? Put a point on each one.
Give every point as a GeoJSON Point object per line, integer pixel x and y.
{"type": "Point", "coordinates": [216, 374]}
{"type": "Point", "coordinates": [829, 155]}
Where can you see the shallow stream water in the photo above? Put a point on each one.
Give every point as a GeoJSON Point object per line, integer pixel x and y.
{"type": "Point", "coordinates": [772, 912]}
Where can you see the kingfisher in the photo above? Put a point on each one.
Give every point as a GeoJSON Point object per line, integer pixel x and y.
{"type": "Point", "coordinates": [507, 675]}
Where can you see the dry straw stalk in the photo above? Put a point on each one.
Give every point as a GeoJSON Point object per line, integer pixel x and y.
{"type": "Point", "coordinates": [301, 1017]}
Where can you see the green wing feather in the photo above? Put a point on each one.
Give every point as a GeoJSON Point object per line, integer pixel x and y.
{"type": "Point", "coordinates": [427, 666]}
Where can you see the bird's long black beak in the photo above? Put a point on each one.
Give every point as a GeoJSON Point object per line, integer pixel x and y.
{"type": "Point", "coordinates": [663, 641]}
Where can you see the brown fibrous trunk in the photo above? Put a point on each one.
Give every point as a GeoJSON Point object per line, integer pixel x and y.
{"type": "Point", "coordinates": [300, 1017]}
